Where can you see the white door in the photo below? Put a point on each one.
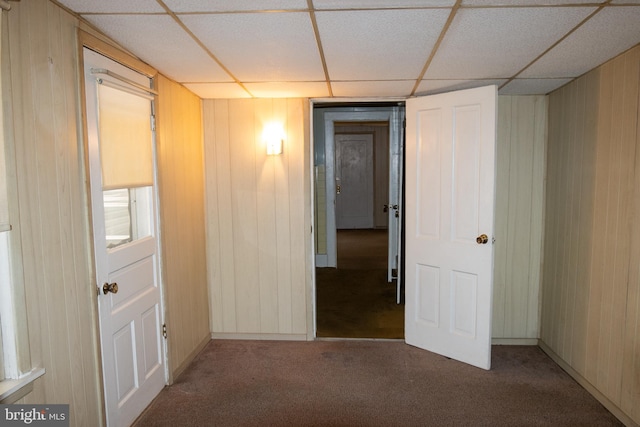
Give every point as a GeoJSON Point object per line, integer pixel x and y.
{"type": "Point", "coordinates": [394, 208]}
{"type": "Point", "coordinates": [450, 174]}
{"type": "Point", "coordinates": [123, 197]}
{"type": "Point", "coordinates": [354, 181]}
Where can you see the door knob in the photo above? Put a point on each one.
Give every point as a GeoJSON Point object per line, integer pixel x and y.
{"type": "Point", "coordinates": [110, 287]}
{"type": "Point", "coordinates": [482, 239]}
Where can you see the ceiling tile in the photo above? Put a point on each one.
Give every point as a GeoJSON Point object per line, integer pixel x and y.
{"type": "Point", "coordinates": [113, 6]}
{"type": "Point", "coordinates": [489, 43]}
{"type": "Point", "coordinates": [401, 88]}
{"type": "Point", "coordinates": [379, 45]}
{"type": "Point", "coordinates": [532, 86]}
{"type": "Point", "coordinates": [430, 87]}
{"type": "Point", "coordinates": [526, 2]}
{"type": "Point", "coordinates": [288, 89]}
{"type": "Point", "coordinates": [159, 41]}
{"type": "Point", "coordinates": [379, 4]}
{"type": "Point", "coordinates": [259, 47]}
{"type": "Point", "coordinates": [217, 90]}
{"type": "Point", "coordinates": [610, 32]}
{"type": "Point", "coordinates": [233, 6]}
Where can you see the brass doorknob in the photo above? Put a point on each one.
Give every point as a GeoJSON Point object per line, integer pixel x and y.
{"type": "Point", "coordinates": [482, 239]}
{"type": "Point", "coordinates": [110, 287]}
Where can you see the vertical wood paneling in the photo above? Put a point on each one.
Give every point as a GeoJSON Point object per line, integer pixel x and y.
{"type": "Point", "coordinates": [260, 286]}
{"type": "Point", "coordinates": [181, 191]}
{"type": "Point", "coordinates": [51, 226]}
{"type": "Point", "coordinates": [519, 207]}
{"type": "Point", "coordinates": [631, 356]}
{"type": "Point", "coordinates": [590, 281]}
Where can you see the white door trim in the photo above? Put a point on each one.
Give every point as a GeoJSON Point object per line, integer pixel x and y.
{"type": "Point", "coordinates": [329, 128]}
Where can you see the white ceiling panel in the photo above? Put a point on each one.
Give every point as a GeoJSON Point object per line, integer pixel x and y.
{"type": "Point", "coordinates": [401, 88]}
{"type": "Point", "coordinates": [113, 6]}
{"type": "Point", "coordinates": [430, 87]}
{"type": "Point", "coordinates": [527, 2]}
{"type": "Point", "coordinates": [380, 4]}
{"type": "Point", "coordinates": [369, 47]}
{"type": "Point", "coordinates": [159, 41]}
{"type": "Point", "coordinates": [288, 89]}
{"type": "Point", "coordinates": [259, 47]}
{"type": "Point", "coordinates": [179, 6]}
{"type": "Point", "coordinates": [495, 43]}
{"type": "Point", "coordinates": [379, 45]}
{"type": "Point", "coordinates": [532, 86]}
{"type": "Point", "coordinates": [610, 32]}
{"type": "Point", "coordinates": [217, 90]}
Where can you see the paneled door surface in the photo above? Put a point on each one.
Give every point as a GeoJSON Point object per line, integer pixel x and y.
{"type": "Point", "coordinates": [123, 197]}
{"type": "Point", "coordinates": [450, 174]}
{"type": "Point", "coordinates": [354, 180]}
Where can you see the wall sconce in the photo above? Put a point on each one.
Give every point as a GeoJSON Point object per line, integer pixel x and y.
{"type": "Point", "coordinates": [273, 135]}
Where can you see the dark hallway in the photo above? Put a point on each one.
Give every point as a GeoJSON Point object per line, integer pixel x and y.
{"type": "Point", "coordinates": [355, 300]}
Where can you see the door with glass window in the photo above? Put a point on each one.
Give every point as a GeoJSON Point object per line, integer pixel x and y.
{"type": "Point", "coordinates": [123, 198]}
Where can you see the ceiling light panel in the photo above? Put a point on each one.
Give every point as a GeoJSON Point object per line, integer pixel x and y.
{"type": "Point", "coordinates": [612, 31]}
{"type": "Point", "coordinates": [380, 4]}
{"type": "Point", "coordinates": [113, 6]}
{"type": "Point", "coordinates": [379, 44]}
{"type": "Point", "coordinates": [490, 43]}
{"type": "Point", "coordinates": [233, 6]}
{"type": "Point", "coordinates": [259, 47]}
{"type": "Point", "coordinates": [159, 41]}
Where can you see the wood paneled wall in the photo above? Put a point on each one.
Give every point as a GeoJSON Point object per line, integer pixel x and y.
{"type": "Point", "coordinates": [50, 221]}
{"type": "Point", "coordinates": [520, 162]}
{"type": "Point", "coordinates": [591, 278]}
{"type": "Point", "coordinates": [51, 225]}
{"type": "Point", "coordinates": [181, 187]}
{"type": "Point", "coordinates": [258, 219]}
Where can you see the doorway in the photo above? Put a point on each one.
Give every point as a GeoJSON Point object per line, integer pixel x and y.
{"type": "Point", "coordinates": [356, 158]}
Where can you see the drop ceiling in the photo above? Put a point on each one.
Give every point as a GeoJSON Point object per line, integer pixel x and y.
{"type": "Point", "coordinates": [366, 48]}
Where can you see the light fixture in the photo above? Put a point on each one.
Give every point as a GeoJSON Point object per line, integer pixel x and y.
{"type": "Point", "coordinates": [273, 135]}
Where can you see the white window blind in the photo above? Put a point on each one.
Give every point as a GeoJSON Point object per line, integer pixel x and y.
{"type": "Point", "coordinates": [4, 203]}
{"type": "Point", "coordinates": [125, 138]}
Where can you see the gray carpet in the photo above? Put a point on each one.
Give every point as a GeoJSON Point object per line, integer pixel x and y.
{"type": "Point", "coordinates": [369, 383]}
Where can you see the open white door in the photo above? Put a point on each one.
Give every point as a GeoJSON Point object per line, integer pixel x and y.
{"type": "Point", "coordinates": [123, 198]}
{"type": "Point", "coordinates": [450, 174]}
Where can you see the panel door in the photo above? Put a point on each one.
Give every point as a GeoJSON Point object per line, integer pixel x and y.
{"type": "Point", "coordinates": [354, 181]}
{"type": "Point", "coordinates": [450, 174]}
{"type": "Point", "coordinates": [123, 198]}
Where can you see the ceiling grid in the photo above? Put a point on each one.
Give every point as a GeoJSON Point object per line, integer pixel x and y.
{"type": "Point", "coordinates": [367, 48]}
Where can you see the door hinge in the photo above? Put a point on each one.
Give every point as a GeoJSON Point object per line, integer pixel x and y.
{"type": "Point", "coordinates": [153, 123]}
{"type": "Point", "coordinates": [164, 330]}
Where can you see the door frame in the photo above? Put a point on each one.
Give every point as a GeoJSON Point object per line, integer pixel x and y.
{"type": "Point", "coordinates": [322, 261]}
{"type": "Point", "coordinates": [331, 258]}
{"type": "Point", "coordinates": [86, 40]}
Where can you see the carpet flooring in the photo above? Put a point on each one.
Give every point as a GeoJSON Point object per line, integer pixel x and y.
{"type": "Point", "coordinates": [355, 300]}
{"type": "Point", "coordinates": [369, 383]}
